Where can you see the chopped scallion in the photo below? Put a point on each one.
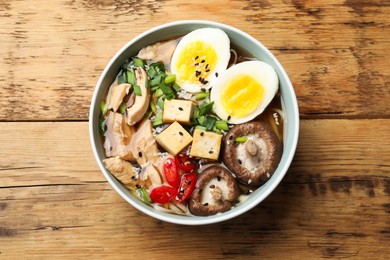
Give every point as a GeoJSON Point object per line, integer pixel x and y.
{"type": "Point", "coordinates": [137, 90]}
{"type": "Point", "coordinates": [158, 120]}
{"type": "Point", "coordinates": [103, 107]}
{"type": "Point", "coordinates": [160, 103]}
{"type": "Point", "coordinates": [209, 122]}
{"type": "Point", "coordinates": [144, 196]}
{"type": "Point", "coordinates": [201, 120]}
{"type": "Point", "coordinates": [176, 87]}
{"type": "Point", "coordinates": [151, 72]}
{"type": "Point", "coordinates": [122, 78]}
{"type": "Point", "coordinates": [202, 95]}
{"type": "Point", "coordinates": [102, 125]}
{"type": "Point", "coordinates": [158, 93]}
{"type": "Point", "coordinates": [241, 139]}
{"type": "Point", "coordinates": [122, 108]}
{"type": "Point", "coordinates": [152, 106]}
{"type": "Point", "coordinates": [130, 76]}
{"type": "Point", "coordinates": [155, 81]}
{"type": "Point", "coordinates": [168, 92]}
{"type": "Point", "coordinates": [138, 62]}
{"type": "Point", "coordinates": [170, 79]}
{"type": "Point", "coordinates": [205, 107]}
{"type": "Point", "coordinates": [222, 125]}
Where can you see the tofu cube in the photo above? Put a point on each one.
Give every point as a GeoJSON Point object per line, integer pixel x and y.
{"type": "Point", "coordinates": [174, 139]}
{"type": "Point", "coordinates": [206, 144]}
{"type": "Point", "coordinates": [177, 110]}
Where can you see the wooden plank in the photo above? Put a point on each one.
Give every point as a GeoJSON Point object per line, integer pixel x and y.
{"type": "Point", "coordinates": [70, 211]}
{"type": "Point", "coordinates": [53, 53]}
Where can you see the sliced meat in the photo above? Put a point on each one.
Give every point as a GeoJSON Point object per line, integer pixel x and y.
{"type": "Point", "coordinates": [254, 161]}
{"type": "Point", "coordinates": [123, 171]}
{"type": "Point", "coordinates": [216, 190]}
{"type": "Point", "coordinates": [118, 137]}
{"type": "Point", "coordinates": [116, 94]}
{"type": "Point", "coordinates": [160, 51]}
{"type": "Point", "coordinates": [141, 103]}
{"type": "Point", "coordinates": [143, 144]}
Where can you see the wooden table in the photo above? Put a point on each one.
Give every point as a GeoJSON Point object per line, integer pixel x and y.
{"type": "Point", "coordinates": [333, 202]}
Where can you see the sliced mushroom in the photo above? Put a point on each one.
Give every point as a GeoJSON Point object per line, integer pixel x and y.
{"type": "Point", "coordinates": [160, 51]}
{"type": "Point", "coordinates": [136, 112]}
{"type": "Point", "coordinates": [216, 190]}
{"type": "Point", "coordinates": [254, 161]}
{"type": "Point", "coordinates": [116, 94]}
{"type": "Point", "coordinates": [118, 137]}
{"type": "Point", "coordinates": [123, 171]}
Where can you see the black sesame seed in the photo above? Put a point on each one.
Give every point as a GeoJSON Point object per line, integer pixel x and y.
{"type": "Point", "coordinates": [179, 197]}
{"type": "Point", "coordinates": [207, 70]}
{"type": "Point", "coordinates": [212, 186]}
{"type": "Point", "coordinates": [200, 191]}
{"type": "Point", "coordinates": [210, 152]}
{"type": "Point", "coordinates": [229, 117]}
{"type": "Point", "coordinates": [197, 73]}
{"type": "Point", "coordinates": [180, 108]}
{"type": "Point", "coordinates": [216, 74]}
{"type": "Point", "coordinates": [234, 142]}
{"type": "Point", "coordinates": [207, 65]}
{"type": "Point", "coordinates": [181, 190]}
{"type": "Point", "coordinates": [133, 178]}
{"type": "Point", "coordinates": [218, 178]}
{"type": "Point", "coordinates": [189, 182]}
{"type": "Point", "coordinates": [231, 137]}
{"type": "Point", "coordinates": [205, 82]}
{"type": "Point", "coordinates": [181, 133]}
{"type": "Point", "coordinates": [196, 64]}
{"type": "Point", "coordinates": [201, 133]}
{"type": "Point", "coordinates": [203, 89]}
{"type": "Point", "coordinates": [239, 161]}
{"type": "Point", "coordinates": [203, 61]}
{"type": "Point", "coordinates": [206, 204]}
{"type": "Point", "coordinates": [138, 186]}
{"type": "Point", "coordinates": [139, 154]}
{"type": "Point", "coordinates": [201, 79]}
{"type": "Point", "coordinates": [196, 57]}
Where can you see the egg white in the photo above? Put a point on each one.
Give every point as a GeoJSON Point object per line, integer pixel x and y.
{"type": "Point", "coordinates": [262, 72]}
{"type": "Point", "coordinates": [219, 41]}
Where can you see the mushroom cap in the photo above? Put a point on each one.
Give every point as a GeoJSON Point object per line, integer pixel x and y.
{"type": "Point", "coordinates": [216, 190]}
{"type": "Point", "coordinates": [254, 161]}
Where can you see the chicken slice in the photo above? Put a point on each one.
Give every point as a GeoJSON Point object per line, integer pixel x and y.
{"type": "Point", "coordinates": [123, 171]}
{"type": "Point", "coordinates": [141, 103]}
{"type": "Point", "coordinates": [160, 51]}
{"type": "Point", "coordinates": [118, 137]}
{"type": "Point", "coordinates": [116, 94]}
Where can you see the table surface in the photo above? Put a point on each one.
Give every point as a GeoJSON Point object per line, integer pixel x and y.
{"type": "Point", "coordinates": [333, 202]}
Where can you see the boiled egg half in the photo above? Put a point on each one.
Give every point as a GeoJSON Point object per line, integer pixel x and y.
{"type": "Point", "coordinates": [244, 90]}
{"type": "Point", "coordinates": [199, 57]}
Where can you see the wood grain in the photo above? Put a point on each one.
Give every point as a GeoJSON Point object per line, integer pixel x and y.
{"type": "Point", "coordinates": [334, 201]}
{"type": "Point", "coordinates": [336, 52]}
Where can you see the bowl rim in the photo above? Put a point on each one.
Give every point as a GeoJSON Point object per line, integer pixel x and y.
{"type": "Point", "coordinates": [186, 220]}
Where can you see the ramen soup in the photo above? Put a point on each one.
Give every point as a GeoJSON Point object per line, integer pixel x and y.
{"type": "Point", "coordinates": [193, 125]}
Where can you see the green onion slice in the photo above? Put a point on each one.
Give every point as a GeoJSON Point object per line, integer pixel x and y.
{"type": "Point", "coordinates": [137, 90]}
{"type": "Point", "coordinates": [144, 196]}
{"type": "Point", "coordinates": [241, 139]}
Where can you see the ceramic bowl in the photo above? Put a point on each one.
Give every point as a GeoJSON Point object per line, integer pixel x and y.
{"type": "Point", "coordinates": [240, 40]}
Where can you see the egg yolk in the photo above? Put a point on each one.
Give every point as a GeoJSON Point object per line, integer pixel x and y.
{"type": "Point", "coordinates": [195, 62]}
{"type": "Point", "coordinates": [241, 96]}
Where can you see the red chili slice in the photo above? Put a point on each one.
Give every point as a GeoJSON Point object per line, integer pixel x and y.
{"type": "Point", "coordinates": [163, 194]}
{"type": "Point", "coordinates": [187, 186]}
{"type": "Point", "coordinates": [184, 163]}
{"type": "Point", "coordinates": [171, 173]}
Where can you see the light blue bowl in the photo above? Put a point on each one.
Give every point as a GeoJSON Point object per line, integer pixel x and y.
{"type": "Point", "coordinates": [242, 41]}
